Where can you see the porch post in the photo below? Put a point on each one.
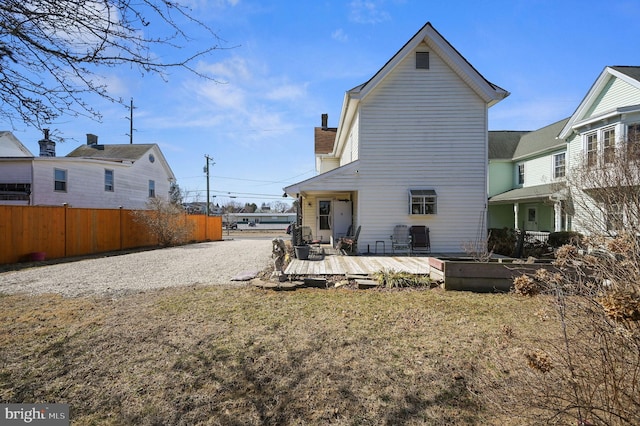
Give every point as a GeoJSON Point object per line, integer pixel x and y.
{"type": "Point", "coordinates": [557, 210]}
{"type": "Point", "coordinates": [516, 207]}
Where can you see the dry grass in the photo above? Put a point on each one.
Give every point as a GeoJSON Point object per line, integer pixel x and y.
{"type": "Point", "coordinates": [235, 356]}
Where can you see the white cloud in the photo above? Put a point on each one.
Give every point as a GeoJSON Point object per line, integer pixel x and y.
{"type": "Point", "coordinates": [339, 35]}
{"type": "Point", "coordinates": [287, 92]}
{"type": "Point", "coordinates": [368, 12]}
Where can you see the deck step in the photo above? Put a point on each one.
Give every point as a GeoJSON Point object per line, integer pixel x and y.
{"type": "Point", "coordinates": [366, 283]}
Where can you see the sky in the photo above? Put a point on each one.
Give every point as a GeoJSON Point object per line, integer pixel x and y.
{"type": "Point", "coordinates": [286, 62]}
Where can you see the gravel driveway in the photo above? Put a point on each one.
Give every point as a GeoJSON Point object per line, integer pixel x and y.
{"type": "Point", "coordinates": [196, 264]}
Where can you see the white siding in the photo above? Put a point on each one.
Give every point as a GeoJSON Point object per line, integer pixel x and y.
{"type": "Point", "coordinates": [15, 171]}
{"type": "Point", "coordinates": [350, 151]}
{"type": "Point", "coordinates": [327, 164]}
{"type": "Point", "coordinates": [423, 129]}
{"type": "Point", "coordinates": [85, 182]}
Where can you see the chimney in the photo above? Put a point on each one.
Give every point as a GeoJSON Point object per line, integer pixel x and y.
{"type": "Point", "coordinates": [47, 146]}
{"type": "Point", "coordinates": [325, 119]}
{"type": "Point", "coordinates": [92, 140]}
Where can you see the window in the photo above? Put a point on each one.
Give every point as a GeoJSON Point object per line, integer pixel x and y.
{"type": "Point", "coordinates": [108, 180]}
{"type": "Point", "coordinates": [324, 214]}
{"type": "Point", "coordinates": [592, 149]}
{"type": "Point", "coordinates": [633, 140]}
{"type": "Point", "coordinates": [559, 165]}
{"type": "Point", "coordinates": [423, 201]}
{"type": "Point", "coordinates": [520, 173]}
{"type": "Point", "coordinates": [608, 145]}
{"type": "Point", "coordinates": [15, 191]}
{"type": "Point", "coordinates": [615, 219]}
{"type": "Point", "coordinates": [152, 189]}
{"type": "Point", "coordinates": [60, 180]}
{"type": "Point", "coordinates": [422, 60]}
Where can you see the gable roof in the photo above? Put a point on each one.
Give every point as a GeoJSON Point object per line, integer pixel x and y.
{"type": "Point", "coordinates": [324, 138]}
{"type": "Point", "coordinates": [629, 74]}
{"type": "Point", "coordinates": [11, 147]}
{"type": "Point", "coordinates": [121, 153]}
{"type": "Point", "coordinates": [541, 141]}
{"type": "Point", "coordinates": [503, 143]}
{"type": "Point", "coordinates": [118, 152]}
{"type": "Point", "coordinates": [488, 91]}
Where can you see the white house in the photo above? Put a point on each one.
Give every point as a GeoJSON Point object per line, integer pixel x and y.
{"type": "Point", "coordinates": [527, 191]}
{"type": "Point", "coordinates": [91, 176]}
{"type": "Point", "coordinates": [411, 147]}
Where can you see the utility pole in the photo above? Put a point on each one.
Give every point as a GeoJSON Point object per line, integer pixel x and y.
{"type": "Point", "coordinates": [206, 170]}
{"type": "Point", "coordinates": [130, 118]}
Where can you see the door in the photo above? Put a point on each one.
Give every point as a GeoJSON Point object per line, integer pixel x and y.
{"type": "Point", "coordinates": [341, 218]}
{"type": "Point", "coordinates": [532, 219]}
{"type": "Point", "coordinates": [324, 220]}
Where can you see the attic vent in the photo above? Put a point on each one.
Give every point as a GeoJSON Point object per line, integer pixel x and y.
{"type": "Point", "coordinates": [422, 60]}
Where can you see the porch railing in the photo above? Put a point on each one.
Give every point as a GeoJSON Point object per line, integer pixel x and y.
{"type": "Point", "coordinates": [536, 236]}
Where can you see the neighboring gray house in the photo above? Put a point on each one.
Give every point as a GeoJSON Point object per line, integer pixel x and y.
{"type": "Point", "coordinates": [92, 175]}
{"type": "Point", "coordinates": [411, 147]}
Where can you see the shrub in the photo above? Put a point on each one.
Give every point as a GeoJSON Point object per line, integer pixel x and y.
{"type": "Point", "coordinates": [502, 241]}
{"type": "Point", "coordinates": [558, 239]}
{"type": "Point", "coordinates": [165, 220]}
{"type": "Point", "coordinates": [390, 278]}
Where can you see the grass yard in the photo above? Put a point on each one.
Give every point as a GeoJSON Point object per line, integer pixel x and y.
{"type": "Point", "coordinates": [238, 356]}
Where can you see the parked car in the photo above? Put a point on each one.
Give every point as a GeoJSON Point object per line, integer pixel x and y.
{"type": "Point", "coordinates": [252, 223]}
{"type": "Point", "coordinates": [232, 225]}
{"type": "Point", "coordinates": [290, 228]}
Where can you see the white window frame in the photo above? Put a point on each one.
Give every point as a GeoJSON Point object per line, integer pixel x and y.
{"type": "Point", "coordinates": [423, 202]}
{"type": "Point", "coordinates": [608, 144]}
{"type": "Point", "coordinates": [633, 139]}
{"type": "Point", "coordinates": [520, 173]}
{"type": "Point", "coordinates": [60, 181]}
{"type": "Point", "coordinates": [591, 148]}
{"type": "Point", "coordinates": [109, 180]}
{"type": "Point", "coordinates": [559, 171]}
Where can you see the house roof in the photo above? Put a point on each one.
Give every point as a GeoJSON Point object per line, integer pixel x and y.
{"type": "Point", "coordinates": [628, 74]}
{"type": "Point", "coordinates": [324, 139]}
{"type": "Point", "coordinates": [526, 193]}
{"type": "Point", "coordinates": [118, 152]}
{"type": "Point", "coordinates": [630, 71]}
{"type": "Point", "coordinates": [450, 54]}
{"type": "Point", "coordinates": [503, 143]}
{"type": "Point", "coordinates": [541, 140]}
{"type": "Point", "coordinates": [11, 147]}
{"type": "Point", "coordinates": [487, 91]}
{"type": "Point", "coordinates": [121, 153]}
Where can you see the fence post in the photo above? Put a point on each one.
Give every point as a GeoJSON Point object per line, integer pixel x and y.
{"type": "Point", "coordinates": [121, 227]}
{"type": "Point", "coordinates": [66, 231]}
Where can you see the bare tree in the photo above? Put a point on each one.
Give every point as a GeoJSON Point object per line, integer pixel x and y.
{"type": "Point", "coordinates": [279, 206]}
{"type": "Point", "coordinates": [594, 374]}
{"type": "Point", "coordinates": [52, 50]}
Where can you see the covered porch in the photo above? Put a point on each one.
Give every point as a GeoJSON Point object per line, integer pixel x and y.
{"type": "Point", "coordinates": [540, 208]}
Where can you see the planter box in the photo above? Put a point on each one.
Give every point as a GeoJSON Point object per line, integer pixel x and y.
{"type": "Point", "coordinates": [483, 277]}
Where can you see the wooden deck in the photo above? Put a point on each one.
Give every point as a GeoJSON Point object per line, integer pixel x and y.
{"type": "Point", "coordinates": [331, 264]}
